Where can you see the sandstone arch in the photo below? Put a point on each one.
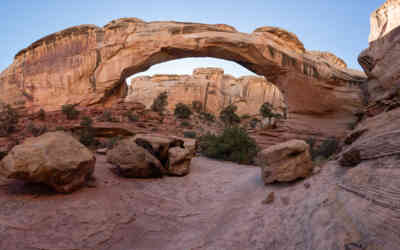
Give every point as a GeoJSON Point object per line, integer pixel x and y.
{"type": "Point", "coordinates": [88, 65]}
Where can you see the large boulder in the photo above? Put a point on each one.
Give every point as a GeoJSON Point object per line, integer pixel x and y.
{"type": "Point", "coordinates": [56, 159]}
{"type": "Point", "coordinates": [179, 160]}
{"type": "Point", "coordinates": [286, 162]}
{"type": "Point", "coordinates": [133, 161]}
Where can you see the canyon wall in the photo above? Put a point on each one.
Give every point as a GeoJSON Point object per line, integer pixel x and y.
{"type": "Point", "coordinates": [211, 87]}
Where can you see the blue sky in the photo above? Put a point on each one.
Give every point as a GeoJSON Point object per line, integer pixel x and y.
{"type": "Point", "coordinates": [340, 26]}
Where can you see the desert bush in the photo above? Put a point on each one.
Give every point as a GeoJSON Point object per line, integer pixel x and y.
{"type": "Point", "coordinates": [207, 117]}
{"type": "Point", "coordinates": [234, 144]}
{"type": "Point", "coordinates": [131, 117]}
{"type": "Point", "coordinates": [160, 103]}
{"type": "Point", "coordinates": [87, 135]}
{"type": "Point", "coordinates": [189, 134]}
{"type": "Point", "coordinates": [326, 149]}
{"type": "Point", "coordinates": [60, 128]}
{"type": "Point", "coordinates": [70, 111]}
{"type": "Point", "coordinates": [254, 122]}
{"type": "Point", "coordinates": [266, 111]}
{"type": "Point", "coordinates": [106, 116]}
{"type": "Point", "coordinates": [182, 111]}
{"type": "Point", "coordinates": [185, 124]}
{"type": "Point", "coordinates": [42, 115]}
{"type": "Point", "coordinates": [197, 106]}
{"type": "Point", "coordinates": [245, 116]}
{"type": "Point", "coordinates": [8, 120]}
{"type": "Point", "coordinates": [229, 117]}
{"type": "Point", "coordinates": [112, 142]}
{"type": "Point", "coordinates": [36, 131]}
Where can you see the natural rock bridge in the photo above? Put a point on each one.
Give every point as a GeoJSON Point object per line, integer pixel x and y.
{"type": "Point", "coordinates": [88, 65]}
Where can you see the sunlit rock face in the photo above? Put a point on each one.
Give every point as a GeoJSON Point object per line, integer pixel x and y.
{"type": "Point", "coordinates": [209, 86]}
{"type": "Point", "coordinates": [380, 60]}
{"type": "Point", "coordinates": [384, 19]}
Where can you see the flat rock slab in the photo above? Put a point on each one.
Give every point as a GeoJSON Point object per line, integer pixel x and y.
{"type": "Point", "coordinates": [219, 206]}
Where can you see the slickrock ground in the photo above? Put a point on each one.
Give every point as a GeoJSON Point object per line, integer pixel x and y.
{"type": "Point", "coordinates": [218, 206]}
{"type": "Point", "coordinates": [211, 87]}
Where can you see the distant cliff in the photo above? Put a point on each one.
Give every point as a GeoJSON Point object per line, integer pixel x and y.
{"type": "Point", "coordinates": [211, 87]}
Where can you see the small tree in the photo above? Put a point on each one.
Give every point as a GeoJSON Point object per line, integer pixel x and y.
{"type": "Point", "coordinates": [228, 116]}
{"type": "Point", "coordinates": [87, 135]}
{"type": "Point", "coordinates": [42, 115]}
{"type": "Point", "coordinates": [207, 117]}
{"type": "Point", "coordinates": [70, 111]}
{"type": "Point", "coordinates": [182, 111]}
{"type": "Point", "coordinates": [266, 111]}
{"type": "Point", "coordinates": [8, 119]}
{"type": "Point", "coordinates": [160, 103]}
{"type": "Point", "coordinates": [197, 106]}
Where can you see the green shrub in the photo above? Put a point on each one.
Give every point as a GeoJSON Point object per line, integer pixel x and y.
{"type": "Point", "coordinates": [185, 124]}
{"type": "Point", "coordinates": [189, 134]}
{"type": "Point", "coordinates": [60, 128]}
{"type": "Point", "coordinates": [160, 103]}
{"type": "Point", "coordinates": [8, 120]}
{"type": "Point", "coordinates": [326, 149]}
{"type": "Point", "coordinates": [197, 106]}
{"type": "Point", "coordinates": [112, 142]}
{"type": "Point", "coordinates": [229, 117]}
{"type": "Point", "coordinates": [36, 131]}
{"type": "Point", "coordinates": [234, 144]}
{"type": "Point", "coordinates": [131, 117]}
{"type": "Point", "coordinates": [245, 116]}
{"type": "Point", "coordinates": [254, 122]}
{"type": "Point", "coordinates": [87, 135]}
{"type": "Point", "coordinates": [207, 117]}
{"type": "Point", "coordinates": [106, 116]}
{"type": "Point", "coordinates": [42, 115]}
{"type": "Point", "coordinates": [182, 111]}
{"type": "Point", "coordinates": [266, 111]}
{"type": "Point", "coordinates": [70, 111]}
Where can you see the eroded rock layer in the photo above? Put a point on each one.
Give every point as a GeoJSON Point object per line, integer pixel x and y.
{"type": "Point", "coordinates": [209, 86]}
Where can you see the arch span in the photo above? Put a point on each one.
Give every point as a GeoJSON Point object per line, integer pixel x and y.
{"type": "Point", "coordinates": [88, 65]}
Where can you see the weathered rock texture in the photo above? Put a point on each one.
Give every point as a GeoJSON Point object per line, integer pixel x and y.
{"type": "Point", "coordinates": [211, 87]}
{"type": "Point", "coordinates": [380, 61]}
{"type": "Point", "coordinates": [152, 155]}
{"type": "Point", "coordinates": [286, 162]}
{"type": "Point", "coordinates": [88, 65]}
{"type": "Point", "coordinates": [133, 161]}
{"type": "Point", "coordinates": [55, 159]}
{"type": "Point", "coordinates": [384, 19]}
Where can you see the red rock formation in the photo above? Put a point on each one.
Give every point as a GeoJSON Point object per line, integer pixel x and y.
{"type": "Point", "coordinates": [88, 65]}
{"type": "Point", "coordinates": [210, 87]}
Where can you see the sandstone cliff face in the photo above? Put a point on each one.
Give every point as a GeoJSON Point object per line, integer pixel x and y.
{"type": "Point", "coordinates": [211, 87]}
{"type": "Point", "coordinates": [380, 61]}
{"type": "Point", "coordinates": [384, 19]}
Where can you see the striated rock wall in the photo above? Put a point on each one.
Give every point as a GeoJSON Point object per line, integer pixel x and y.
{"type": "Point", "coordinates": [211, 87]}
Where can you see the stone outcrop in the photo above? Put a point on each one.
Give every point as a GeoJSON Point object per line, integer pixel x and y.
{"type": "Point", "coordinates": [55, 159]}
{"type": "Point", "coordinates": [88, 65]}
{"type": "Point", "coordinates": [286, 162]}
{"type": "Point", "coordinates": [152, 155]}
{"type": "Point", "coordinates": [133, 161]}
{"type": "Point", "coordinates": [211, 87]}
{"type": "Point", "coordinates": [329, 58]}
{"type": "Point", "coordinates": [384, 20]}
